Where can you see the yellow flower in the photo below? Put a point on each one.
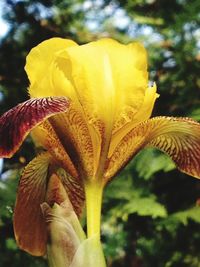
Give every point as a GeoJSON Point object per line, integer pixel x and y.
{"type": "Point", "coordinates": [96, 120]}
{"type": "Point", "coordinates": [107, 83]}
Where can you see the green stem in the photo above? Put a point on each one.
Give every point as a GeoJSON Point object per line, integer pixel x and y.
{"type": "Point", "coordinates": [93, 191]}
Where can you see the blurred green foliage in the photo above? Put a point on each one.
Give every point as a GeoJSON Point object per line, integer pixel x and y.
{"type": "Point", "coordinates": [151, 213]}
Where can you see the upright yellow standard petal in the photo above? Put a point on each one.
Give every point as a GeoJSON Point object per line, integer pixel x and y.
{"type": "Point", "coordinates": [41, 69]}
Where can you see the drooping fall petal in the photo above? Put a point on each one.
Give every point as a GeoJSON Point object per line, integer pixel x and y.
{"type": "Point", "coordinates": [19, 121]}
{"type": "Point", "coordinates": [45, 136]}
{"type": "Point", "coordinates": [72, 130]}
{"type": "Point", "coordinates": [178, 137]}
{"type": "Point", "coordinates": [74, 191]}
{"type": "Point", "coordinates": [29, 225]}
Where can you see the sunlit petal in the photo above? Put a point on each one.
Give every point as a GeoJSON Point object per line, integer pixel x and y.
{"type": "Point", "coordinates": [143, 114]}
{"type": "Point", "coordinates": [130, 78]}
{"type": "Point", "coordinates": [19, 121]}
{"type": "Point", "coordinates": [39, 63]}
{"type": "Point", "coordinates": [91, 75]}
{"type": "Point", "coordinates": [110, 80]}
{"type": "Point", "coordinates": [178, 137]}
{"type": "Point", "coordinates": [29, 225]}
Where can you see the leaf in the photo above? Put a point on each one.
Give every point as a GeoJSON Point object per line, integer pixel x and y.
{"type": "Point", "coordinates": [130, 197]}
{"type": "Point", "coordinates": [190, 214]}
{"type": "Point", "coordinates": [142, 206]}
{"type": "Point", "coordinates": [150, 161]}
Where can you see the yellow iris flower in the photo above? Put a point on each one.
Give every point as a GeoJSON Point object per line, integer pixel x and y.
{"type": "Point", "coordinates": [89, 109]}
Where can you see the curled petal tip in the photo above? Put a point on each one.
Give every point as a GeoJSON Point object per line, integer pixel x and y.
{"type": "Point", "coordinates": [16, 123]}
{"type": "Point", "coordinates": [177, 137]}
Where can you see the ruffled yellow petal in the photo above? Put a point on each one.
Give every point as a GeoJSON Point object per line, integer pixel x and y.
{"type": "Point", "coordinates": [143, 114]}
{"type": "Point", "coordinates": [178, 137]}
{"type": "Point", "coordinates": [129, 72]}
{"type": "Point", "coordinates": [42, 72]}
{"type": "Point", "coordinates": [90, 73]}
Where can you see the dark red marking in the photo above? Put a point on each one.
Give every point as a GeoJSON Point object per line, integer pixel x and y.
{"type": "Point", "coordinates": [16, 123]}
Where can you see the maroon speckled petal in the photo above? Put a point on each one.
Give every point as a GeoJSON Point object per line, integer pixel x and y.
{"type": "Point", "coordinates": [177, 137]}
{"type": "Point", "coordinates": [29, 224]}
{"type": "Point", "coordinates": [20, 120]}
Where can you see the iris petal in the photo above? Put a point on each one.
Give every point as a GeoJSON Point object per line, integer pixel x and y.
{"type": "Point", "coordinates": [45, 136]}
{"type": "Point", "coordinates": [19, 121]}
{"type": "Point", "coordinates": [178, 137]}
{"type": "Point", "coordinates": [39, 64]}
{"type": "Point", "coordinates": [143, 114]}
{"type": "Point", "coordinates": [74, 191]}
{"type": "Point", "coordinates": [29, 225]}
{"type": "Point", "coordinates": [129, 73]}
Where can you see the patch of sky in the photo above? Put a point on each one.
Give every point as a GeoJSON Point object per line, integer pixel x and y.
{"type": "Point", "coordinates": [40, 11]}
{"type": "Point", "coordinates": [97, 14]}
{"type": "Point", "coordinates": [1, 96]}
{"type": "Point", "coordinates": [168, 54]}
{"type": "Point", "coordinates": [4, 27]}
{"type": "Point", "coordinates": [1, 166]}
{"type": "Point", "coordinates": [170, 63]}
{"type": "Point", "coordinates": [197, 37]}
{"type": "Point", "coordinates": [5, 175]}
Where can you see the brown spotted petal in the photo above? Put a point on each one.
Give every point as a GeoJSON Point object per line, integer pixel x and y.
{"type": "Point", "coordinates": [178, 137]}
{"type": "Point", "coordinates": [29, 225]}
{"type": "Point", "coordinates": [44, 135]}
{"type": "Point", "coordinates": [71, 128]}
{"type": "Point", "coordinates": [20, 120]}
{"type": "Point", "coordinates": [74, 191]}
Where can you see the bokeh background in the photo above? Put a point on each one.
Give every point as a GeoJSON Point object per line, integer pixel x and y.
{"type": "Point", "coordinates": [151, 213]}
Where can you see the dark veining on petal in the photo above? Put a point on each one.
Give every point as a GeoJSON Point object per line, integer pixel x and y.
{"type": "Point", "coordinates": [19, 121]}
